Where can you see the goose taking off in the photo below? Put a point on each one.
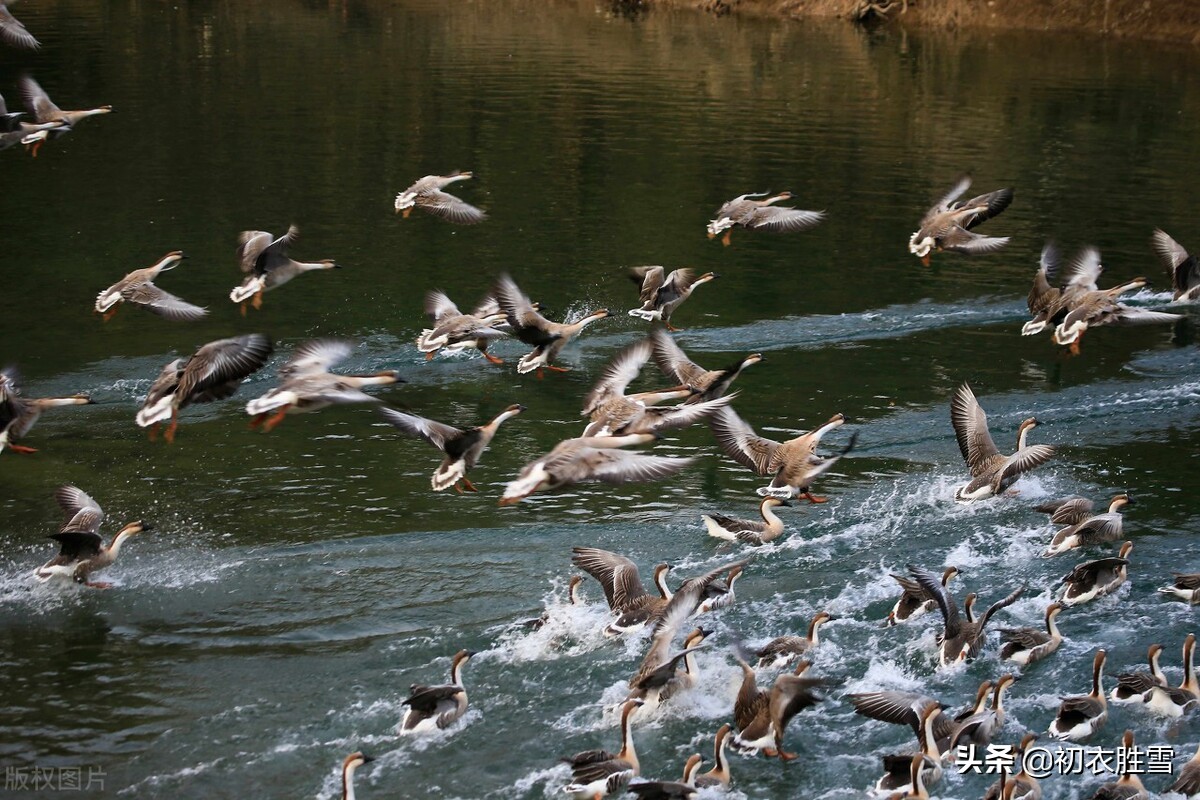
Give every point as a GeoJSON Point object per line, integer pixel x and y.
{"type": "Point", "coordinates": [947, 225]}
{"type": "Point", "coordinates": [46, 113]}
{"type": "Point", "coordinates": [1182, 267]}
{"type": "Point", "coordinates": [432, 708]}
{"type": "Point", "coordinates": [661, 293]}
{"type": "Point", "coordinates": [463, 446]}
{"type": "Point", "coordinates": [961, 640]}
{"type": "Point", "coordinates": [454, 331]}
{"type": "Point", "coordinates": [1083, 529]}
{"type": "Point", "coordinates": [547, 337]}
{"type": "Point", "coordinates": [264, 259]}
{"type": "Point", "coordinates": [623, 589]}
{"type": "Point", "coordinates": [991, 471]}
{"type": "Point", "coordinates": [705, 384]}
{"type": "Point", "coordinates": [427, 195]}
{"type": "Point", "coordinates": [762, 716]}
{"type": "Point", "coordinates": [82, 550]}
{"type": "Point", "coordinates": [914, 600]}
{"type": "Point", "coordinates": [138, 289]}
{"type": "Point", "coordinates": [752, 214]}
{"type": "Point", "coordinates": [19, 414]}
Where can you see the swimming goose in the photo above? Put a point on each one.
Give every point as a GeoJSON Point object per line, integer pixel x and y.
{"type": "Point", "coordinates": [659, 676]}
{"type": "Point", "coordinates": [661, 294]}
{"type": "Point", "coordinates": [1188, 782]}
{"type": "Point", "coordinates": [915, 601]}
{"type": "Point", "coordinates": [947, 225]}
{"type": "Point", "coordinates": [19, 414]}
{"type": "Point", "coordinates": [1045, 300]}
{"type": "Point", "coordinates": [432, 708]}
{"type": "Point", "coordinates": [748, 531]}
{"type": "Point", "coordinates": [794, 463]}
{"type": "Point", "coordinates": [782, 650]}
{"type": "Point", "coordinates": [138, 288]}
{"type": "Point", "coordinates": [352, 763]}
{"type": "Point", "coordinates": [213, 372]}
{"type": "Point", "coordinates": [623, 589]}
{"type": "Point", "coordinates": [536, 623]}
{"type": "Point", "coordinates": [908, 708]}
{"type": "Point", "coordinates": [667, 790]}
{"type": "Point", "coordinates": [719, 776]}
{"type": "Point", "coordinates": [82, 550]}
{"type": "Point", "coordinates": [992, 472]}
{"type": "Point", "coordinates": [1083, 528]}
{"type": "Point", "coordinates": [960, 640]}
{"type": "Point", "coordinates": [897, 773]}
{"type": "Point", "coordinates": [1097, 578]}
{"type": "Point", "coordinates": [719, 593]}
{"type": "Point", "coordinates": [613, 413]}
{"type": "Point", "coordinates": [705, 384]}
{"type": "Point", "coordinates": [599, 773]}
{"type": "Point", "coordinates": [979, 727]}
{"type": "Point", "coordinates": [1185, 587]}
{"type": "Point", "coordinates": [13, 31]}
{"type": "Point", "coordinates": [427, 195]}
{"type": "Point", "coordinates": [44, 111]}
{"type": "Point", "coordinates": [596, 458]}
{"type": "Point", "coordinates": [753, 214]}
{"type": "Point", "coordinates": [762, 716]}
{"type": "Point", "coordinates": [1020, 784]}
{"type": "Point", "coordinates": [1182, 267]}
{"type": "Point", "coordinates": [264, 259]}
{"type": "Point", "coordinates": [1079, 716]}
{"type": "Point", "coordinates": [1027, 645]}
{"type": "Point", "coordinates": [454, 331]}
{"type": "Point", "coordinates": [308, 385]}
{"type": "Point", "coordinates": [916, 786]}
{"type": "Point", "coordinates": [463, 446]}
{"type": "Point", "coordinates": [1173, 701]}
{"type": "Point", "coordinates": [547, 337]}
{"type": "Point", "coordinates": [1129, 785]}
{"type": "Point", "coordinates": [1132, 687]}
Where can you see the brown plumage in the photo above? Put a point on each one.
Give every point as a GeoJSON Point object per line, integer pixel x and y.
{"type": "Point", "coordinates": [19, 414]}
{"type": "Point", "coordinates": [992, 472]}
{"type": "Point", "coordinates": [762, 716]}
{"type": "Point", "coordinates": [427, 195]}
{"type": "Point", "coordinates": [546, 337]}
{"type": "Point", "coordinates": [661, 293]}
{"type": "Point", "coordinates": [137, 288]}
{"type": "Point", "coordinates": [82, 550]}
{"type": "Point", "coordinates": [948, 224]}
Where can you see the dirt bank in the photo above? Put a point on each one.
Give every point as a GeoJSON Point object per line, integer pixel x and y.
{"type": "Point", "coordinates": [1164, 20]}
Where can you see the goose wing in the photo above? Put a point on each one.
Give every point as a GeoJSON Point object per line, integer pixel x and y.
{"type": "Point", "coordinates": [673, 362]}
{"type": "Point", "coordinates": [436, 433]}
{"type": "Point", "coordinates": [316, 356]}
{"type": "Point", "coordinates": [1084, 270]}
{"type": "Point", "coordinates": [1183, 268]}
{"type": "Point", "coordinates": [789, 696]}
{"type": "Point", "coordinates": [164, 304]}
{"type": "Point", "coordinates": [689, 595]}
{"type": "Point", "coordinates": [451, 208]}
{"type": "Point", "coordinates": [218, 364]}
{"type": "Point", "coordinates": [784, 220]}
{"type": "Point", "coordinates": [1127, 315]}
{"type": "Point", "coordinates": [650, 279]}
{"type": "Point", "coordinates": [530, 326]}
{"type": "Point", "coordinates": [84, 514]}
{"type": "Point", "coordinates": [439, 306]}
{"type": "Point", "coordinates": [1022, 461]}
{"type": "Point", "coordinates": [251, 245]}
{"type": "Point", "coordinates": [618, 374]}
{"type": "Point", "coordinates": [427, 699]}
{"type": "Point", "coordinates": [932, 584]}
{"type": "Point", "coordinates": [739, 441]}
{"type": "Point", "coordinates": [38, 102]}
{"type": "Point", "coordinates": [971, 430]}
{"type": "Point", "coordinates": [1067, 511]}
{"type": "Point", "coordinates": [13, 31]}
{"type": "Point", "coordinates": [900, 708]}
{"type": "Point", "coordinates": [958, 239]}
{"type": "Point", "coordinates": [943, 203]}
{"type": "Point", "coordinates": [618, 466]}
{"type": "Point", "coordinates": [616, 574]}
{"type": "Point", "coordinates": [999, 604]}
{"type": "Point", "coordinates": [76, 545]}
{"type": "Point", "coordinates": [982, 208]}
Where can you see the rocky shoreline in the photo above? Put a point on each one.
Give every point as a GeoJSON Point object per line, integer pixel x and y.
{"type": "Point", "coordinates": [1161, 20]}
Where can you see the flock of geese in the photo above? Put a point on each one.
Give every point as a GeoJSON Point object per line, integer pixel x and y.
{"type": "Point", "coordinates": [1065, 299]}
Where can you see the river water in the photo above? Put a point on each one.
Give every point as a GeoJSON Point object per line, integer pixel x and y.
{"type": "Point", "coordinates": [299, 581]}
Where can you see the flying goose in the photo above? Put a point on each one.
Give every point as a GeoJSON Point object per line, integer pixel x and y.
{"type": "Point", "coordinates": [960, 640]}
{"type": "Point", "coordinates": [308, 385]}
{"type": "Point", "coordinates": [264, 259]}
{"type": "Point", "coordinates": [782, 650]}
{"type": "Point", "coordinates": [705, 384]}
{"type": "Point", "coordinates": [1182, 267]}
{"type": "Point", "coordinates": [82, 551]}
{"type": "Point", "coordinates": [45, 112]}
{"type": "Point", "coordinates": [599, 773]}
{"type": "Point", "coordinates": [1185, 587]}
{"type": "Point", "coordinates": [19, 414]}
{"type": "Point", "coordinates": [627, 597]}
{"type": "Point", "coordinates": [13, 31]}
{"type": "Point", "coordinates": [463, 446]}
{"type": "Point", "coordinates": [454, 331]}
{"type": "Point", "coordinates": [948, 224]}
{"type": "Point", "coordinates": [138, 288]}
{"type": "Point", "coordinates": [1079, 716]}
{"type": "Point", "coordinates": [432, 708]}
{"type": "Point", "coordinates": [213, 372]}
{"type": "Point", "coordinates": [1045, 300]}
{"type": "Point", "coordinates": [914, 600]}
{"type": "Point", "coordinates": [748, 531]}
{"type": "Point", "coordinates": [1083, 529]}
{"type": "Point", "coordinates": [762, 716]}
{"type": "Point", "coordinates": [1134, 687]}
{"type": "Point", "coordinates": [661, 294]}
{"type": "Point", "coordinates": [794, 464]}
{"type": "Point", "coordinates": [596, 458]}
{"type": "Point", "coordinates": [1098, 578]}
{"type": "Point", "coordinates": [349, 765]}
{"type": "Point", "coordinates": [1174, 701]}
{"type": "Point", "coordinates": [991, 471]}
{"type": "Point", "coordinates": [1027, 645]}
{"type": "Point", "coordinates": [1129, 785]}
{"type": "Point", "coordinates": [427, 195]}
{"type": "Point", "coordinates": [752, 214]}
{"type": "Point", "coordinates": [547, 337]}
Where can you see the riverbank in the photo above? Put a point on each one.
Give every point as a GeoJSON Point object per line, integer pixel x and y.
{"type": "Point", "coordinates": [1162, 20]}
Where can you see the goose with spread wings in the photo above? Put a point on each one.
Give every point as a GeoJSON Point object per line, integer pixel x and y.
{"type": "Point", "coordinates": [463, 447]}
{"type": "Point", "coordinates": [264, 259]}
{"type": "Point", "coordinates": [48, 118]}
{"type": "Point", "coordinates": [960, 640]}
{"type": "Point", "coordinates": [1083, 528]}
{"type": "Point", "coordinates": [14, 32]}
{"type": "Point", "coordinates": [623, 588]}
{"type": "Point", "coordinates": [19, 414]}
{"type": "Point", "coordinates": [794, 464]}
{"type": "Point", "coordinates": [454, 331]}
{"type": "Point", "coordinates": [547, 337]}
{"type": "Point", "coordinates": [992, 472]}
{"type": "Point", "coordinates": [748, 212]}
{"type": "Point", "coordinates": [1182, 266]}
{"type": "Point", "coordinates": [661, 293]}
{"type": "Point", "coordinates": [705, 384]}
{"type": "Point", "coordinates": [948, 224]}
{"type": "Point", "coordinates": [427, 194]}
{"type": "Point", "coordinates": [137, 288]}
{"type": "Point", "coordinates": [82, 550]}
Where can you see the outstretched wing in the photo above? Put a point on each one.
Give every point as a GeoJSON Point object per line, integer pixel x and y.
{"type": "Point", "coordinates": [739, 441]}
{"type": "Point", "coordinates": [616, 574]}
{"type": "Point", "coordinates": [222, 362]}
{"type": "Point", "coordinates": [451, 208]}
{"type": "Point", "coordinates": [784, 220]}
{"type": "Point", "coordinates": [12, 30]}
{"type": "Point", "coordinates": [164, 304]}
{"type": "Point", "coordinates": [971, 430]}
{"type": "Point", "coordinates": [618, 374]}
{"type": "Point", "coordinates": [436, 433]}
{"type": "Point", "coordinates": [671, 359]}
{"type": "Point", "coordinates": [84, 514]}
{"type": "Point", "coordinates": [316, 356]}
